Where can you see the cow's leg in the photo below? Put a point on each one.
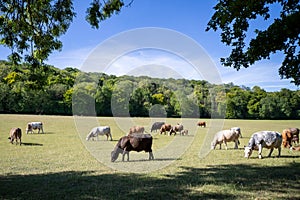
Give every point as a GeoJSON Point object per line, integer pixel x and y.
{"type": "Point", "coordinates": [123, 155]}
{"type": "Point", "coordinates": [259, 151]}
{"type": "Point", "coordinates": [236, 143]}
{"type": "Point", "coordinates": [127, 152]}
{"type": "Point", "coordinates": [225, 143]}
{"type": "Point", "coordinates": [42, 129]}
{"type": "Point", "coordinates": [151, 157]}
{"type": "Point", "coordinates": [220, 146]}
{"type": "Point", "coordinates": [271, 150]}
{"type": "Point", "coordinates": [279, 151]}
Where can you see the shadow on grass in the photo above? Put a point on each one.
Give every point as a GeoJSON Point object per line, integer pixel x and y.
{"type": "Point", "coordinates": [31, 144]}
{"type": "Point", "coordinates": [212, 182]}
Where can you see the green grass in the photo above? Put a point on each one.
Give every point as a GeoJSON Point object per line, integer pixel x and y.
{"type": "Point", "coordinates": [59, 165]}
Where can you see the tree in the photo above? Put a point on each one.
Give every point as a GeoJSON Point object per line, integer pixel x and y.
{"type": "Point", "coordinates": [233, 17]}
{"type": "Point", "coordinates": [31, 29]}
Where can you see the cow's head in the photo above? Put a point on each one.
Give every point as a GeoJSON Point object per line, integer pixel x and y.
{"type": "Point", "coordinates": [115, 154]}
{"type": "Point", "coordinates": [213, 145]}
{"type": "Point", "coordinates": [248, 152]}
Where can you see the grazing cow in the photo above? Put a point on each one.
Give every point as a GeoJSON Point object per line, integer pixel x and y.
{"type": "Point", "coordinates": [184, 132]}
{"type": "Point", "coordinates": [136, 129]}
{"type": "Point", "coordinates": [15, 134]}
{"type": "Point", "coordinates": [290, 135]}
{"type": "Point", "coordinates": [267, 139]}
{"type": "Point", "coordinates": [176, 128]}
{"type": "Point", "coordinates": [296, 148]}
{"type": "Point", "coordinates": [202, 124]}
{"type": "Point", "coordinates": [100, 130]}
{"type": "Point", "coordinates": [164, 128]}
{"type": "Point", "coordinates": [33, 126]}
{"type": "Point", "coordinates": [133, 142]}
{"type": "Point", "coordinates": [156, 126]}
{"type": "Point", "coordinates": [224, 136]}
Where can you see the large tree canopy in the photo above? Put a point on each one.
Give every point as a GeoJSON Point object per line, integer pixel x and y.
{"type": "Point", "coordinates": [31, 29]}
{"type": "Point", "coordinates": [282, 35]}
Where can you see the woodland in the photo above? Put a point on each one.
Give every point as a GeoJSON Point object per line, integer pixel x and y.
{"type": "Point", "coordinates": [48, 90]}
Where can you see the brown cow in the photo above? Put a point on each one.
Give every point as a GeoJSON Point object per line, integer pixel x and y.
{"type": "Point", "coordinates": [290, 135]}
{"type": "Point", "coordinates": [15, 134]}
{"type": "Point", "coordinates": [176, 128]}
{"type": "Point", "coordinates": [136, 129]}
{"type": "Point", "coordinates": [202, 124]}
{"type": "Point", "coordinates": [164, 128]}
{"type": "Point", "coordinates": [133, 142]}
{"type": "Point", "coordinates": [296, 148]}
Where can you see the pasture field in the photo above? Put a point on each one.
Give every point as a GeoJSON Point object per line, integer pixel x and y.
{"type": "Point", "coordinates": [60, 164]}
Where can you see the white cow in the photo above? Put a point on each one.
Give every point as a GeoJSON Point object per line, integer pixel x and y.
{"type": "Point", "coordinates": [33, 126]}
{"type": "Point", "coordinates": [267, 139]}
{"type": "Point", "coordinates": [224, 136]}
{"type": "Point", "coordinates": [100, 130]}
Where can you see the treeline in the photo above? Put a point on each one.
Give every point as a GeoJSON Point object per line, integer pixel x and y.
{"type": "Point", "coordinates": [49, 90]}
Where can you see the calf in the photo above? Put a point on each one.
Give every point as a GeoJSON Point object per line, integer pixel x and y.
{"type": "Point", "coordinates": [184, 132]}
{"type": "Point", "coordinates": [224, 136]}
{"type": "Point", "coordinates": [33, 126]}
{"type": "Point", "coordinates": [267, 139]}
{"type": "Point", "coordinates": [15, 134]}
{"type": "Point", "coordinates": [100, 130]}
{"type": "Point", "coordinates": [133, 142]}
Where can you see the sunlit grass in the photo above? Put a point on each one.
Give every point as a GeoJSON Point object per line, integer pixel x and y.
{"type": "Point", "coordinates": [58, 165]}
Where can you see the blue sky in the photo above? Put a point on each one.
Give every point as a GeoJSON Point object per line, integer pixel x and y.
{"type": "Point", "coordinates": [185, 17]}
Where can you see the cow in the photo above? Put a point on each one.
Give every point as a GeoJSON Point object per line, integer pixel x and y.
{"type": "Point", "coordinates": [136, 129]}
{"type": "Point", "coordinates": [134, 142]}
{"type": "Point", "coordinates": [176, 128]}
{"type": "Point", "coordinates": [290, 135]}
{"type": "Point", "coordinates": [263, 139]}
{"type": "Point", "coordinates": [33, 126]}
{"type": "Point", "coordinates": [100, 130]}
{"type": "Point", "coordinates": [296, 148]}
{"type": "Point", "coordinates": [224, 136]}
{"type": "Point", "coordinates": [156, 126]}
{"type": "Point", "coordinates": [201, 124]}
{"type": "Point", "coordinates": [184, 132]}
{"type": "Point", "coordinates": [164, 128]}
{"type": "Point", "coordinates": [15, 134]}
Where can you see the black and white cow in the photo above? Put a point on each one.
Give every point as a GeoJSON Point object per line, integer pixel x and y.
{"type": "Point", "coordinates": [33, 126]}
{"type": "Point", "coordinates": [264, 139]}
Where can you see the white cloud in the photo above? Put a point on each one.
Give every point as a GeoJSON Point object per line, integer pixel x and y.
{"type": "Point", "coordinates": [71, 58]}
{"type": "Point", "coordinates": [264, 74]}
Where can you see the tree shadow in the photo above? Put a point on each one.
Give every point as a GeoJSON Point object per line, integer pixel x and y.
{"type": "Point", "coordinates": [278, 181]}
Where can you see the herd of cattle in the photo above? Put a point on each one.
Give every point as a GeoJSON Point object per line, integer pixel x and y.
{"type": "Point", "coordinates": [138, 139]}
{"type": "Point", "coordinates": [16, 133]}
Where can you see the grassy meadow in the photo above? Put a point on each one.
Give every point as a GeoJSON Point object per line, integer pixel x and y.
{"type": "Point", "coordinates": [60, 164]}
